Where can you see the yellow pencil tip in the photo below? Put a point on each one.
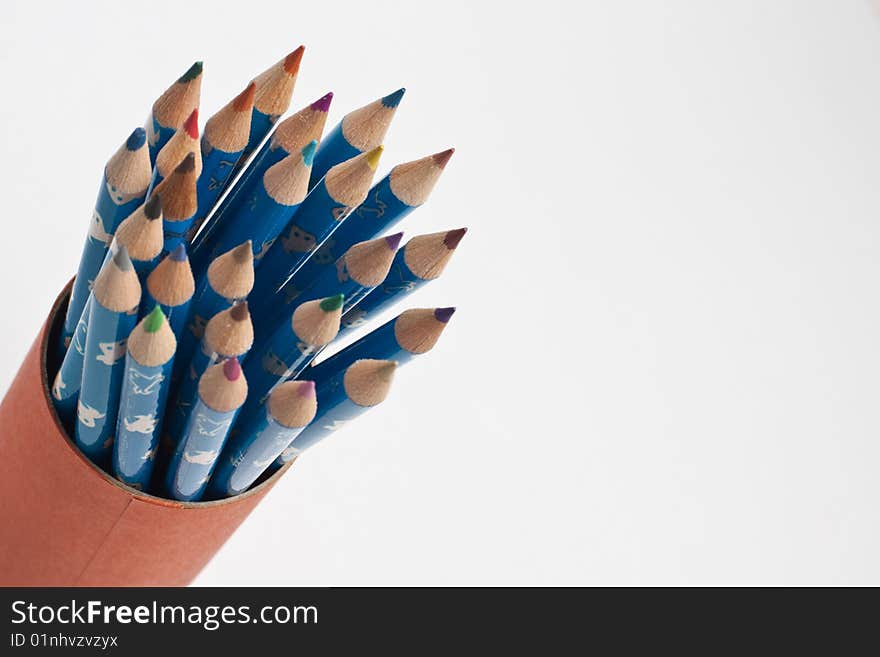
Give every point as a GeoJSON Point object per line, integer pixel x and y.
{"type": "Point", "coordinates": [373, 157]}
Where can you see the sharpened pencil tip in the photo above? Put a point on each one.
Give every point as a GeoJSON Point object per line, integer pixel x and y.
{"type": "Point", "coordinates": [392, 100]}
{"type": "Point", "coordinates": [443, 158]}
{"type": "Point", "coordinates": [444, 314]}
{"type": "Point", "coordinates": [329, 304]}
{"type": "Point", "coordinates": [187, 164]}
{"type": "Point", "coordinates": [242, 253]}
{"type": "Point", "coordinates": [121, 259]}
{"type": "Point", "coordinates": [323, 103]}
{"type": "Point", "coordinates": [136, 139]}
{"type": "Point", "coordinates": [245, 100]}
{"type": "Point", "coordinates": [191, 125]}
{"type": "Point", "coordinates": [308, 152]}
{"type": "Point", "coordinates": [239, 312]}
{"type": "Point", "coordinates": [393, 241]}
{"type": "Point", "coordinates": [291, 62]}
{"type": "Point", "coordinates": [453, 237]}
{"type": "Point", "coordinates": [232, 369]}
{"type": "Point", "coordinates": [153, 321]}
{"type": "Point", "coordinates": [374, 156]}
{"type": "Point", "coordinates": [179, 253]}
{"type": "Point", "coordinates": [153, 207]}
{"type": "Point", "coordinates": [192, 73]}
{"type": "Point", "coordinates": [306, 389]}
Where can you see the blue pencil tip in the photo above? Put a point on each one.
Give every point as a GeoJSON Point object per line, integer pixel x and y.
{"type": "Point", "coordinates": [393, 99]}
{"type": "Point", "coordinates": [136, 139]}
{"type": "Point", "coordinates": [179, 254]}
{"type": "Point", "coordinates": [308, 152]}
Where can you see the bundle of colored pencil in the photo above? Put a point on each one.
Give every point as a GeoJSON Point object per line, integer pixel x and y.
{"type": "Point", "coordinates": [217, 268]}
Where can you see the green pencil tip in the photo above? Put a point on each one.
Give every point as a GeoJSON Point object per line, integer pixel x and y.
{"type": "Point", "coordinates": [332, 303]}
{"type": "Point", "coordinates": [153, 321]}
{"type": "Point", "coordinates": [192, 73]}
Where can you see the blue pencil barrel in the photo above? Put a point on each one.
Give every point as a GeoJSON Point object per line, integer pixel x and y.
{"type": "Point", "coordinates": [157, 136]}
{"type": "Point", "coordinates": [205, 304]}
{"type": "Point", "coordinates": [103, 369]}
{"type": "Point", "coordinates": [109, 212]}
{"type": "Point", "coordinates": [398, 284]}
{"type": "Point", "coordinates": [379, 344]}
{"type": "Point", "coordinates": [283, 358]}
{"type": "Point", "coordinates": [186, 393]}
{"type": "Point", "coordinates": [259, 218]}
{"type": "Point", "coordinates": [176, 232]}
{"type": "Point", "coordinates": [252, 177]}
{"type": "Point", "coordinates": [335, 409]}
{"type": "Point", "coordinates": [217, 168]}
{"type": "Point", "coordinates": [68, 379]}
{"type": "Point", "coordinates": [334, 149]}
{"type": "Point", "coordinates": [317, 218]}
{"type": "Point", "coordinates": [378, 213]}
{"type": "Point", "coordinates": [261, 125]}
{"type": "Point", "coordinates": [249, 453]}
{"type": "Point", "coordinates": [141, 406]}
{"type": "Point", "coordinates": [197, 451]}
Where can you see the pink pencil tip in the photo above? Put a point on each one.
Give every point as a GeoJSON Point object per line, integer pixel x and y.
{"type": "Point", "coordinates": [393, 241]}
{"type": "Point", "coordinates": [442, 158]}
{"type": "Point", "coordinates": [323, 103]}
{"type": "Point", "coordinates": [232, 369]}
{"type": "Point", "coordinates": [307, 389]}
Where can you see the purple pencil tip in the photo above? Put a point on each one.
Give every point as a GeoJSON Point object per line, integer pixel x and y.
{"type": "Point", "coordinates": [179, 254]}
{"type": "Point", "coordinates": [323, 103]}
{"type": "Point", "coordinates": [393, 241]}
{"type": "Point", "coordinates": [443, 314]}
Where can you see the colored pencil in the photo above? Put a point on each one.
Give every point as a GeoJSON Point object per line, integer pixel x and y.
{"type": "Point", "coordinates": [184, 142]}
{"type": "Point", "coordinates": [223, 143]}
{"type": "Point", "coordinates": [421, 260]}
{"type": "Point", "coordinates": [258, 442]}
{"type": "Point", "coordinates": [411, 333]}
{"type": "Point", "coordinates": [179, 202]}
{"type": "Point", "coordinates": [274, 202]}
{"type": "Point", "coordinates": [272, 98]}
{"type": "Point", "coordinates": [141, 235]}
{"type": "Point", "coordinates": [148, 363]}
{"type": "Point", "coordinates": [123, 188]}
{"type": "Point", "coordinates": [405, 188]}
{"type": "Point", "coordinates": [291, 136]}
{"type": "Point", "coordinates": [171, 109]}
{"type": "Point", "coordinates": [171, 287]}
{"type": "Point", "coordinates": [229, 279]}
{"type": "Point", "coordinates": [291, 348]}
{"type": "Point", "coordinates": [338, 193]}
{"type": "Point", "coordinates": [229, 334]}
{"type": "Point", "coordinates": [221, 391]}
{"type": "Point", "coordinates": [342, 398]}
{"type": "Point", "coordinates": [358, 132]}
{"type": "Point", "coordinates": [112, 316]}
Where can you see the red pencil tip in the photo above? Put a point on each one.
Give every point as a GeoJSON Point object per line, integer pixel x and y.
{"type": "Point", "coordinates": [191, 125]}
{"type": "Point", "coordinates": [291, 62]}
{"type": "Point", "coordinates": [232, 369]}
{"type": "Point", "coordinates": [245, 100]}
{"type": "Point", "coordinates": [453, 237]}
{"type": "Point", "coordinates": [442, 158]}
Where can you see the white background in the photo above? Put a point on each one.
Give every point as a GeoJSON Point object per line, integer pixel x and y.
{"type": "Point", "coordinates": [664, 369]}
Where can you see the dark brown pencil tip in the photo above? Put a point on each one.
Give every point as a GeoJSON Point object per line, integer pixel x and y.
{"type": "Point", "coordinates": [242, 253]}
{"type": "Point", "coordinates": [453, 237]}
{"type": "Point", "coordinates": [153, 207]}
{"type": "Point", "coordinates": [442, 158]}
{"type": "Point", "coordinates": [187, 164]}
{"type": "Point", "coordinates": [240, 312]}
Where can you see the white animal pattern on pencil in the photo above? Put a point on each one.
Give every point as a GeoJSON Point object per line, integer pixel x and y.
{"type": "Point", "coordinates": [111, 352]}
{"type": "Point", "coordinates": [208, 427]}
{"type": "Point", "coordinates": [58, 386]}
{"type": "Point", "coordinates": [145, 385]}
{"type": "Point", "coordinates": [87, 415]}
{"type": "Point", "coordinates": [145, 424]}
{"type": "Point", "coordinates": [200, 457]}
{"type": "Point", "coordinates": [96, 229]}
